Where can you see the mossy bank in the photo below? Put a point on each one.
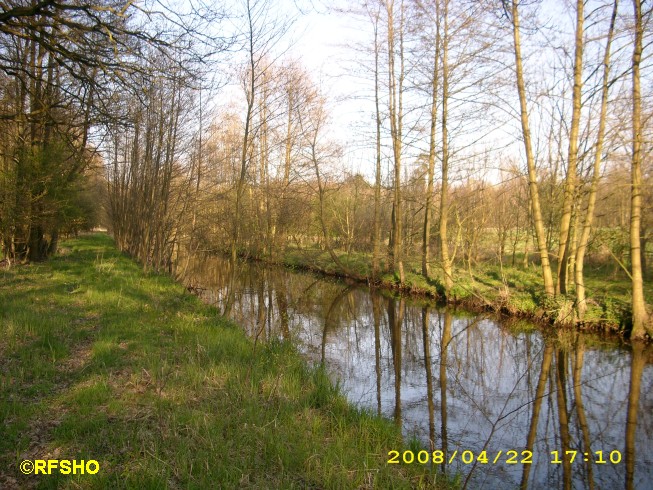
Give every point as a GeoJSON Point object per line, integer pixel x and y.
{"type": "Point", "coordinates": [101, 361]}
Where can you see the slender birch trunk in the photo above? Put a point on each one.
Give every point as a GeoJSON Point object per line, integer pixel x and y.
{"type": "Point", "coordinates": [395, 87]}
{"type": "Point", "coordinates": [376, 238]}
{"type": "Point", "coordinates": [250, 89]}
{"type": "Point", "coordinates": [426, 235]}
{"type": "Point", "coordinates": [444, 198]}
{"type": "Point", "coordinates": [641, 325]}
{"type": "Point", "coordinates": [581, 305]}
{"type": "Point", "coordinates": [549, 288]}
{"type": "Point", "coordinates": [572, 157]}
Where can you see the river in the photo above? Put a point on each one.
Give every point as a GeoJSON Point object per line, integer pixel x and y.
{"type": "Point", "coordinates": [482, 395]}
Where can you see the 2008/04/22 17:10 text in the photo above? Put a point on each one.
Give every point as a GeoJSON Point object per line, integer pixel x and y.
{"type": "Point", "coordinates": [509, 457]}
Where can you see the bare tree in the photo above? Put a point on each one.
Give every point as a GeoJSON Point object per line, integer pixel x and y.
{"type": "Point", "coordinates": [376, 231]}
{"type": "Point", "coordinates": [318, 152]}
{"type": "Point", "coordinates": [641, 324]}
{"type": "Point", "coordinates": [396, 77]}
{"type": "Point", "coordinates": [428, 205]}
{"type": "Point", "coordinates": [445, 258]}
{"type": "Point", "coordinates": [572, 156]}
{"type": "Point", "coordinates": [528, 147]}
{"type": "Point", "coordinates": [147, 182]}
{"type": "Point", "coordinates": [261, 33]}
{"type": "Point", "coordinates": [581, 305]}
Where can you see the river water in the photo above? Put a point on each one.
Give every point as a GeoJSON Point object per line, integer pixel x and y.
{"type": "Point", "coordinates": [466, 388]}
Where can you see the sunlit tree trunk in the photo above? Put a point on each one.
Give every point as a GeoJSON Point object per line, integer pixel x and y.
{"type": "Point", "coordinates": [549, 288]}
{"type": "Point", "coordinates": [376, 232]}
{"type": "Point", "coordinates": [395, 87]}
{"type": "Point", "coordinates": [196, 167]}
{"type": "Point", "coordinates": [445, 258]}
{"type": "Point", "coordinates": [581, 305]}
{"type": "Point", "coordinates": [265, 224]}
{"type": "Point", "coordinates": [428, 211]}
{"type": "Point", "coordinates": [572, 156]}
{"type": "Point", "coordinates": [250, 88]}
{"type": "Point", "coordinates": [641, 325]}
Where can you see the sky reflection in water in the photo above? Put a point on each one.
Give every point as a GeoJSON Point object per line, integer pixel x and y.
{"type": "Point", "coordinates": [457, 381]}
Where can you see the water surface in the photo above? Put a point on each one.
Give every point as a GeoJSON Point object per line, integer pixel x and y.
{"type": "Point", "coordinates": [460, 383]}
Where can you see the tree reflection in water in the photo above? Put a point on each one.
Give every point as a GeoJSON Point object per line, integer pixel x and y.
{"type": "Point", "coordinates": [445, 339]}
{"type": "Point", "coordinates": [537, 405]}
{"type": "Point", "coordinates": [586, 446]}
{"type": "Point", "coordinates": [637, 366]}
{"type": "Point", "coordinates": [426, 339]}
{"type": "Point", "coordinates": [588, 397]}
{"type": "Point", "coordinates": [395, 321]}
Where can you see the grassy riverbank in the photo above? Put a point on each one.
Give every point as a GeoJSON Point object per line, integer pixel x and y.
{"type": "Point", "coordinates": [100, 361]}
{"type": "Point", "coordinates": [510, 290]}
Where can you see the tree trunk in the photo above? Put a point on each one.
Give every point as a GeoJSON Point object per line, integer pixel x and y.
{"type": "Point", "coordinates": [376, 233]}
{"type": "Point", "coordinates": [581, 305]}
{"type": "Point", "coordinates": [250, 95]}
{"type": "Point", "coordinates": [395, 86]}
{"type": "Point", "coordinates": [426, 235]}
{"type": "Point", "coordinates": [572, 156]}
{"type": "Point", "coordinates": [444, 198]}
{"type": "Point", "coordinates": [530, 160]}
{"type": "Point", "coordinates": [641, 325]}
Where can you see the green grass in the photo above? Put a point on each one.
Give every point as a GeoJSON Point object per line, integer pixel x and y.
{"type": "Point", "coordinates": [511, 290]}
{"type": "Point", "coordinates": [101, 361]}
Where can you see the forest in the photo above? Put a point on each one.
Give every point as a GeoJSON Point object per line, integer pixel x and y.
{"type": "Point", "coordinates": [452, 141]}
